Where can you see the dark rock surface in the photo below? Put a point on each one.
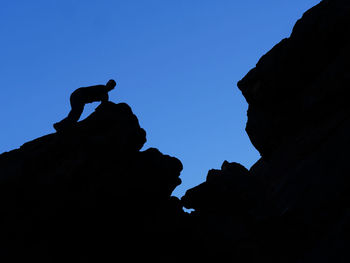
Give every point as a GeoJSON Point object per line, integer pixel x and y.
{"type": "Point", "coordinates": [90, 194]}
{"type": "Point", "coordinates": [298, 119]}
{"type": "Point", "coordinates": [299, 86]}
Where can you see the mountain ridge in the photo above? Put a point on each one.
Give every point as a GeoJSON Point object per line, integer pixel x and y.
{"type": "Point", "coordinates": [91, 194]}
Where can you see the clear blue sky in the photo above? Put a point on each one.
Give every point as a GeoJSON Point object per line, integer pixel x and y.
{"type": "Point", "coordinates": [176, 63]}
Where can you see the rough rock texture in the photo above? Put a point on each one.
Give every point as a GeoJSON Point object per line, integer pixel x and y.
{"type": "Point", "coordinates": [222, 216]}
{"type": "Point", "coordinates": [88, 194]}
{"type": "Point", "coordinates": [298, 119]}
{"type": "Point", "coordinates": [298, 88]}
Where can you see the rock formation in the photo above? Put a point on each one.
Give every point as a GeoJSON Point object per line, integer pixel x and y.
{"type": "Point", "coordinates": [90, 194]}
{"type": "Point", "coordinates": [298, 119]}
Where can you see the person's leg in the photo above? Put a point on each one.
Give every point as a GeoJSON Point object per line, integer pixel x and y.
{"type": "Point", "coordinates": [72, 118]}
{"type": "Point", "coordinates": [76, 111]}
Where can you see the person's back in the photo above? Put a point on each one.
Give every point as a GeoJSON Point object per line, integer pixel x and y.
{"type": "Point", "coordinates": [80, 97]}
{"type": "Point", "coordinates": [91, 94]}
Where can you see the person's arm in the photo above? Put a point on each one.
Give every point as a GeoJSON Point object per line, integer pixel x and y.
{"type": "Point", "coordinates": [104, 97]}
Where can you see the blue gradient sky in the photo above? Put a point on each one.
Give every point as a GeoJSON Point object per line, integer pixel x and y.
{"type": "Point", "coordinates": [176, 63]}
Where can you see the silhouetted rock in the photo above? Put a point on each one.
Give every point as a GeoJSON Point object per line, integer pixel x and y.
{"type": "Point", "coordinates": [302, 82]}
{"type": "Point", "coordinates": [298, 121]}
{"type": "Point", "coordinates": [89, 193]}
{"type": "Point", "coordinates": [222, 215]}
{"type": "Point", "coordinates": [227, 190]}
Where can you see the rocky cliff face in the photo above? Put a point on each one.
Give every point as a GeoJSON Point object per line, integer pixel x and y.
{"type": "Point", "coordinates": [299, 86]}
{"type": "Point", "coordinates": [89, 194]}
{"type": "Point", "coordinates": [295, 207]}
{"type": "Point", "coordinates": [298, 119]}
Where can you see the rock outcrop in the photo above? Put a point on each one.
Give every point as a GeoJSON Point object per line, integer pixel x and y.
{"type": "Point", "coordinates": [90, 194]}
{"type": "Point", "coordinates": [299, 86]}
{"type": "Point", "coordinates": [298, 119]}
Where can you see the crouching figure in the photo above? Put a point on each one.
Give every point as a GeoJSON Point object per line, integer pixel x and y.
{"type": "Point", "coordinates": [79, 98]}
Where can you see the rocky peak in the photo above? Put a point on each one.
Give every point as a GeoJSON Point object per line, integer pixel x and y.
{"type": "Point", "coordinates": [90, 194]}
{"type": "Point", "coordinates": [301, 83]}
{"type": "Point", "coordinates": [78, 192]}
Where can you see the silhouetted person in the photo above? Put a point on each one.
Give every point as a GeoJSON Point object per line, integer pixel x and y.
{"type": "Point", "coordinates": [80, 97]}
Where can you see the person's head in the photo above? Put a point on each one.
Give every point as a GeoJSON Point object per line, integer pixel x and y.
{"type": "Point", "coordinates": [110, 84]}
